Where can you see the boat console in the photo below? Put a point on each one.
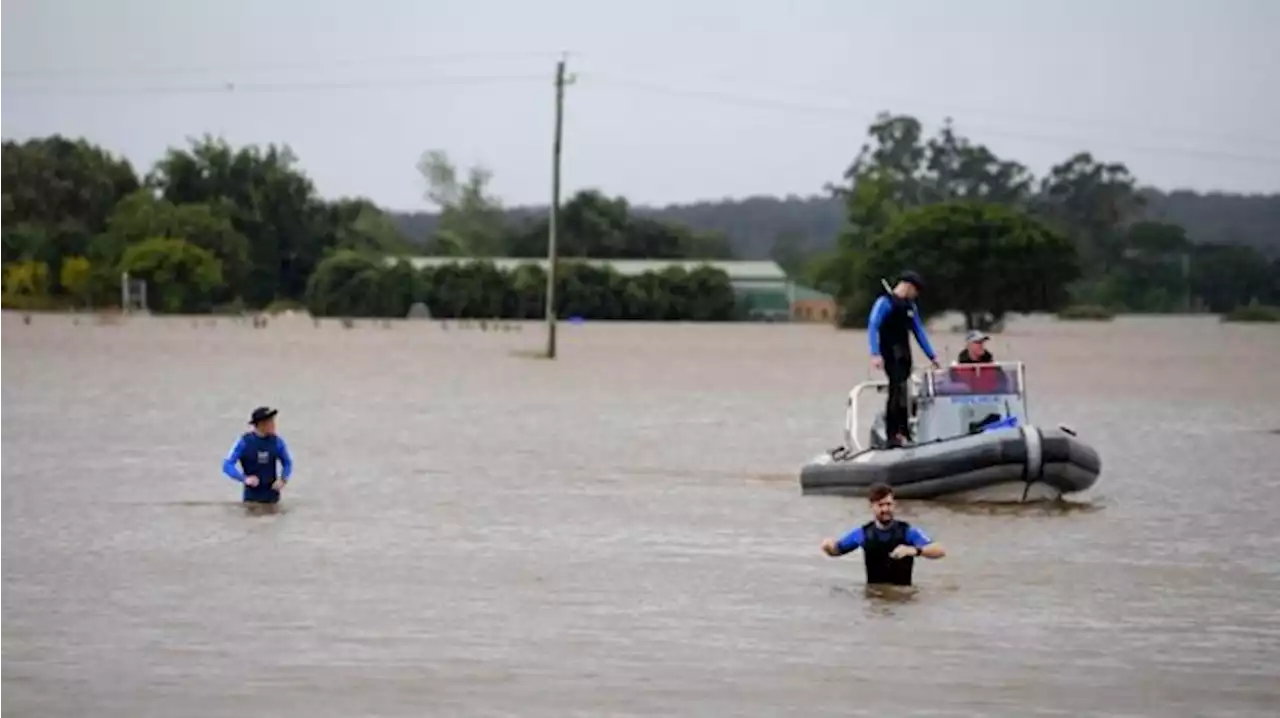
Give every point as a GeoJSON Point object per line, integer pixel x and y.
{"type": "Point", "coordinates": [949, 402]}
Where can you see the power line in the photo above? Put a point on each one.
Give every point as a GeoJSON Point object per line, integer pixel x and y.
{"type": "Point", "coordinates": [430, 59]}
{"type": "Point", "coordinates": [842, 110]}
{"type": "Point", "coordinates": [950, 108]}
{"type": "Point", "coordinates": [845, 110]}
{"type": "Point", "coordinates": [228, 69]}
{"type": "Point", "coordinates": [232, 88]}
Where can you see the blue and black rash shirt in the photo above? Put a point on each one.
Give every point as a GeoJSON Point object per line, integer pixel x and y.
{"type": "Point", "coordinates": [266, 457]}
{"type": "Point", "coordinates": [888, 321]}
{"type": "Point", "coordinates": [855, 538]}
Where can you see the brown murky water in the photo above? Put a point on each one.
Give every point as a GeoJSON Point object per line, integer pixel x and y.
{"type": "Point", "coordinates": [472, 532]}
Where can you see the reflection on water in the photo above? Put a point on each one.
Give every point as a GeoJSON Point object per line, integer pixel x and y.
{"type": "Point", "coordinates": [618, 532]}
{"type": "Point", "coordinates": [889, 595]}
{"type": "Point", "coordinates": [1057, 507]}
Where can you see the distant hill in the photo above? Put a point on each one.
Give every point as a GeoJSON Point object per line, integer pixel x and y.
{"type": "Point", "coordinates": [752, 224]}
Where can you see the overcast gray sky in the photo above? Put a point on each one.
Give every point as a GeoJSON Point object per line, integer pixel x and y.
{"type": "Point", "coordinates": [675, 101]}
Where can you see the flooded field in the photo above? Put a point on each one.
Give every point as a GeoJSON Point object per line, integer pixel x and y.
{"type": "Point", "coordinates": [620, 532]}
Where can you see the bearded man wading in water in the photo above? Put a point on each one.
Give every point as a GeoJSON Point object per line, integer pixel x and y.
{"type": "Point", "coordinates": [894, 318]}
{"type": "Point", "coordinates": [889, 546]}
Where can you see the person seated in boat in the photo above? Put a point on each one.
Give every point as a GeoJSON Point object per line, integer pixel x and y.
{"type": "Point", "coordinates": [889, 546]}
{"type": "Point", "coordinates": [975, 349]}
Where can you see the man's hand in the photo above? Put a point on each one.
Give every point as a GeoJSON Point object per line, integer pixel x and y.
{"type": "Point", "coordinates": [278, 484]}
{"type": "Point", "coordinates": [934, 363]}
{"type": "Point", "coordinates": [251, 481]}
{"type": "Point", "coordinates": [877, 362]}
{"type": "Point", "coordinates": [904, 551]}
{"type": "Point", "coordinates": [829, 547]}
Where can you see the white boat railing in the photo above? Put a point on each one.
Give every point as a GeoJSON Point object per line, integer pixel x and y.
{"type": "Point", "coordinates": [851, 430]}
{"type": "Point", "coordinates": [927, 381]}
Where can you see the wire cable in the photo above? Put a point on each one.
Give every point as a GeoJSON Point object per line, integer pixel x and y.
{"type": "Point", "coordinates": [229, 88]}
{"type": "Point", "coordinates": [255, 68]}
{"type": "Point", "coordinates": [844, 111]}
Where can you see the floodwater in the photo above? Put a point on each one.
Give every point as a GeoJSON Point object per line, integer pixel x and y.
{"type": "Point", "coordinates": [620, 532]}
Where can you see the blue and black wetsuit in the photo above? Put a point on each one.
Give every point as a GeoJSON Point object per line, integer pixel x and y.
{"type": "Point", "coordinates": [266, 457]}
{"type": "Point", "coordinates": [877, 542]}
{"type": "Point", "coordinates": [893, 321]}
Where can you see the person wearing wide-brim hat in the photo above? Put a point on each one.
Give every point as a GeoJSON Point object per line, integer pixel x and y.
{"type": "Point", "coordinates": [894, 319]}
{"type": "Point", "coordinates": [260, 459]}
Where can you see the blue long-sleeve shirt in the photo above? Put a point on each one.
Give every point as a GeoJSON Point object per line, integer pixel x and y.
{"type": "Point", "coordinates": [880, 310]}
{"type": "Point", "coordinates": [854, 539]}
{"type": "Point", "coordinates": [232, 470]}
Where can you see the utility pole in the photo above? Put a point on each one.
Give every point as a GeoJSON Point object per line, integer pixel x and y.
{"type": "Point", "coordinates": [1186, 280]}
{"type": "Point", "coordinates": [555, 212]}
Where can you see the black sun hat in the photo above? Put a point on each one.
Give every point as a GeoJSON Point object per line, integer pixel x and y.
{"type": "Point", "coordinates": [913, 279]}
{"type": "Point", "coordinates": [261, 414]}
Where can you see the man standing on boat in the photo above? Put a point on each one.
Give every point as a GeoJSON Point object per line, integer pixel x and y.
{"type": "Point", "coordinates": [260, 459]}
{"type": "Point", "coordinates": [894, 318]}
{"type": "Point", "coordinates": [889, 546]}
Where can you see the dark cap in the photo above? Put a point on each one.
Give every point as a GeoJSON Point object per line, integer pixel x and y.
{"type": "Point", "coordinates": [913, 279]}
{"type": "Point", "coordinates": [261, 414]}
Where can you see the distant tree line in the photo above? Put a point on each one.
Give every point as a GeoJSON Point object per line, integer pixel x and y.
{"type": "Point", "coordinates": [215, 227]}
{"type": "Point", "coordinates": [207, 226]}
{"type": "Point", "coordinates": [211, 227]}
{"type": "Point", "coordinates": [991, 239]}
{"type": "Point", "coordinates": [354, 284]}
{"type": "Point", "coordinates": [780, 227]}
{"type": "Point", "coordinates": [1133, 249]}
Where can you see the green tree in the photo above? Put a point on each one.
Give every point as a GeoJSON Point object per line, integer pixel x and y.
{"type": "Point", "coordinates": [1151, 273]}
{"type": "Point", "coordinates": [347, 284]}
{"type": "Point", "coordinates": [27, 242]}
{"type": "Point", "coordinates": [891, 173]}
{"type": "Point", "coordinates": [400, 286]}
{"type": "Point", "coordinates": [58, 193]}
{"type": "Point", "coordinates": [360, 225]}
{"type": "Point", "coordinates": [898, 171]}
{"type": "Point", "coordinates": [76, 277]}
{"type": "Point", "coordinates": [872, 204]}
{"type": "Point", "coordinates": [180, 276]}
{"type": "Point", "coordinates": [913, 172]}
{"type": "Point", "coordinates": [29, 280]}
{"type": "Point", "coordinates": [1228, 276]}
{"type": "Point", "coordinates": [981, 259]}
{"type": "Point", "coordinates": [1092, 201]}
{"type": "Point", "coordinates": [143, 215]}
{"type": "Point", "coordinates": [470, 290]}
{"type": "Point", "coordinates": [268, 201]}
{"type": "Point", "coordinates": [601, 227]}
{"type": "Point", "coordinates": [711, 297]}
{"type": "Point", "coordinates": [528, 295]}
{"type": "Point", "coordinates": [471, 220]}
{"type": "Point", "coordinates": [54, 180]}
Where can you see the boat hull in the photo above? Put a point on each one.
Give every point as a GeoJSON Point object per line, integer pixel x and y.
{"type": "Point", "coordinates": [1008, 465]}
